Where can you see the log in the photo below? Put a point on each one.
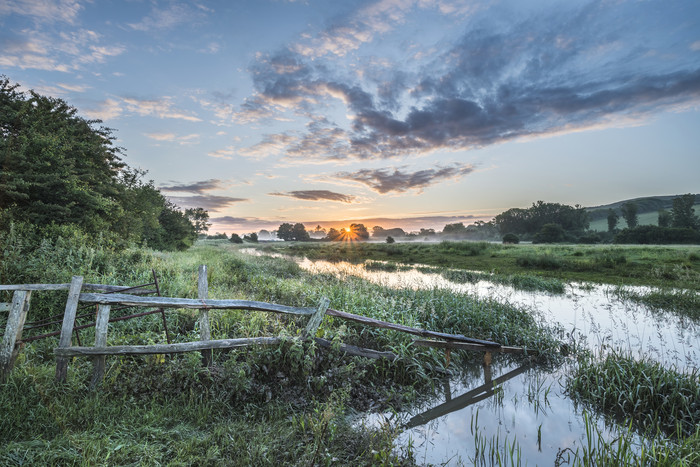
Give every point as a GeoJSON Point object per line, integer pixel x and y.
{"type": "Point", "coordinates": [470, 346]}
{"type": "Point", "coordinates": [357, 351]}
{"type": "Point", "coordinates": [13, 331]}
{"type": "Point", "coordinates": [67, 327]}
{"type": "Point", "coordinates": [400, 327]}
{"type": "Point", "coordinates": [98, 362]}
{"type": "Point", "coordinates": [179, 347]}
{"type": "Point", "coordinates": [191, 303]}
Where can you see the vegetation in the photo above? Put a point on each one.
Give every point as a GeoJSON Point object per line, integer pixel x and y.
{"type": "Point", "coordinates": [59, 169]}
{"type": "Point", "coordinates": [287, 404]}
{"type": "Point", "coordinates": [619, 265]}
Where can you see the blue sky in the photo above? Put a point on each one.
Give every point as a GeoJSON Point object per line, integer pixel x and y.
{"type": "Point", "coordinates": [395, 113]}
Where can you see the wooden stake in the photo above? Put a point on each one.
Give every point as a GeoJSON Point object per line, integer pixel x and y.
{"type": "Point", "coordinates": [13, 331]}
{"type": "Point", "coordinates": [98, 362]}
{"type": "Point", "coordinates": [204, 330]}
{"type": "Point", "coordinates": [67, 328]}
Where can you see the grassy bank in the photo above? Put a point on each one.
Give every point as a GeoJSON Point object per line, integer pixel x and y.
{"type": "Point", "coordinates": [288, 404]}
{"type": "Point", "coordinates": [656, 266]}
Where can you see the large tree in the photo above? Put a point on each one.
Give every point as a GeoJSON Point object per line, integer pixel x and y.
{"type": "Point", "coordinates": [629, 213]}
{"type": "Point", "coordinates": [682, 212]}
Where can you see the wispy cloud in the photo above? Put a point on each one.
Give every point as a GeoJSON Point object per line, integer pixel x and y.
{"type": "Point", "coordinates": [161, 108]}
{"type": "Point", "coordinates": [398, 181]}
{"type": "Point", "coordinates": [174, 15]}
{"type": "Point", "coordinates": [194, 187]}
{"type": "Point", "coordinates": [106, 110]}
{"type": "Point", "coordinates": [270, 144]}
{"type": "Point", "coordinates": [208, 202]}
{"type": "Point", "coordinates": [173, 138]}
{"type": "Point", "coordinates": [44, 11]}
{"type": "Point", "coordinates": [317, 195]}
{"type": "Point", "coordinates": [226, 153]}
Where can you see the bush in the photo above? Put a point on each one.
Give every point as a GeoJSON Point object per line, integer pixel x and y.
{"type": "Point", "coordinates": [390, 239]}
{"type": "Point", "coordinates": [652, 234]}
{"type": "Point", "coordinates": [511, 238]}
{"type": "Point", "coordinates": [235, 238]}
{"type": "Point", "coordinates": [550, 233]}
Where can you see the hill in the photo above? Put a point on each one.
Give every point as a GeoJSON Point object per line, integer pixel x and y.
{"type": "Point", "coordinates": [647, 210]}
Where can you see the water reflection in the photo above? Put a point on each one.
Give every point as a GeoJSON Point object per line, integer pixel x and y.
{"type": "Point", "coordinates": [525, 405]}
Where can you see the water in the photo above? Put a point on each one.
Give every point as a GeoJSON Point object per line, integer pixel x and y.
{"type": "Point", "coordinates": [529, 408]}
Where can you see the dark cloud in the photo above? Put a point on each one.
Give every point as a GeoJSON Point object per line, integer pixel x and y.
{"type": "Point", "coordinates": [387, 181]}
{"type": "Point", "coordinates": [569, 68]}
{"type": "Point", "coordinates": [194, 187]}
{"type": "Point", "coordinates": [317, 195]}
{"type": "Point", "coordinates": [208, 202]}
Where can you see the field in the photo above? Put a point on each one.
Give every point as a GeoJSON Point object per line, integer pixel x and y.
{"type": "Point", "coordinates": [294, 403]}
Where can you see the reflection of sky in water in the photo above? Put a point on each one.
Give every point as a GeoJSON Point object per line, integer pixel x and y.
{"type": "Point", "coordinates": [602, 320]}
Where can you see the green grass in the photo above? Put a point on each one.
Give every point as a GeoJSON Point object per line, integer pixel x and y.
{"type": "Point", "coordinates": [284, 405]}
{"type": "Point", "coordinates": [656, 266]}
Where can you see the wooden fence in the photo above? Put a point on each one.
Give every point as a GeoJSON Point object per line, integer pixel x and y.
{"type": "Point", "coordinates": [104, 301]}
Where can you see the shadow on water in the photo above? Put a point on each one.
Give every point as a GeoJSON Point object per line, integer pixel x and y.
{"type": "Point", "coordinates": [525, 411]}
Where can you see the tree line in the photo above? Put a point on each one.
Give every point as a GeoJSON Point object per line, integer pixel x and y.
{"type": "Point", "coordinates": [59, 169]}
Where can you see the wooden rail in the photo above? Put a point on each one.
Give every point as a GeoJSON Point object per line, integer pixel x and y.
{"type": "Point", "coordinates": [105, 301]}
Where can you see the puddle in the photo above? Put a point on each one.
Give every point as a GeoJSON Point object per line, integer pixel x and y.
{"type": "Point", "coordinates": [528, 409]}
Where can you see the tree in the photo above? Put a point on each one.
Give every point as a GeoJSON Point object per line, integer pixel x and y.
{"type": "Point", "coordinates": [613, 217]}
{"type": "Point", "coordinates": [454, 229]}
{"type": "Point", "coordinates": [390, 239]}
{"type": "Point", "coordinates": [550, 233]}
{"type": "Point", "coordinates": [511, 238]}
{"type": "Point", "coordinates": [682, 212]}
{"type": "Point", "coordinates": [629, 213]}
{"type": "Point", "coordinates": [358, 232]}
{"type": "Point", "coordinates": [664, 218]}
{"type": "Point", "coordinates": [332, 235]}
{"type": "Point", "coordinates": [199, 217]}
{"type": "Point", "coordinates": [296, 232]}
{"type": "Point", "coordinates": [235, 238]}
{"type": "Point", "coordinates": [253, 237]}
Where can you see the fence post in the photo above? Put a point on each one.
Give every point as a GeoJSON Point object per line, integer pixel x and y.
{"type": "Point", "coordinates": [204, 330]}
{"type": "Point", "coordinates": [316, 319]}
{"type": "Point", "coordinates": [13, 331]}
{"type": "Point", "coordinates": [98, 362]}
{"type": "Point", "coordinates": [67, 327]}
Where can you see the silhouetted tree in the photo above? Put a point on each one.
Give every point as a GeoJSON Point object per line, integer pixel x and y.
{"type": "Point", "coordinates": [629, 213]}
{"type": "Point", "coordinates": [613, 217]}
{"type": "Point", "coordinates": [682, 212]}
{"type": "Point", "coordinates": [664, 218]}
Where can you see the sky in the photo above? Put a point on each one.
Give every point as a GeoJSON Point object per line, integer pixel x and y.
{"type": "Point", "coordinates": [397, 113]}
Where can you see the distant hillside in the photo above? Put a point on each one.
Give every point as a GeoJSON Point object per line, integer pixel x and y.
{"type": "Point", "coordinates": [647, 210]}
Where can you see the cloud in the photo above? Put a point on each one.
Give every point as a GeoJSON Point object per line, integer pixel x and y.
{"type": "Point", "coordinates": [570, 68]}
{"type": "Point", "coordinates": [385, 181]}
{"type": "Point", "coordinates": [44, 11]}
{"type": "Point", "coordinates": [161, 108]}
{"type": "Point", "coordinates": [208, 202]}
{"type": "Point", "coordinates": [317, 195]}
{"type": "Point", "coordinates": [172, 137]}
{"type": "Point", "coordinates": [271, 144]}
{"type": "Point", "coordinates": [173, 16]}
{"type": "Point", "coordinates": [195, 187]}
{"type": "Point", "coordinates": [106, 110]}
{"type": "Point", "coordinates": [226, 153]}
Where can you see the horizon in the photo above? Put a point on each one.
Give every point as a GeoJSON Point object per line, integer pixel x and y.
{"type": "Point", "coordinates": [411, 114]}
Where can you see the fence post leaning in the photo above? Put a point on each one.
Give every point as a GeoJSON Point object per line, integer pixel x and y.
{"type": "Point", "coordinates": [204, 330]}
{"type": "Point", "coordinates": [316, 319]}
{"type": "Point", "coordinates": [13, 331]}
{"type": "Point", "coordinates": [67, 327]}
{"type": "Point", "coordinates": [98, 362]}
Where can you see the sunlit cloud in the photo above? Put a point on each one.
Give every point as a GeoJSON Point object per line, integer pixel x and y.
{"type": "Point", "coordinates": [45, 11]}
{"type": "Point", "coordinates": [161, 108]}
{"type": "Point", "coordinates": [226, 153]}
{"type": "Point", "coordinates": [398, 181]}
{"type": "Point", "coordinates": [271, 144]}
{"type": "Point", "coordinates": [106, 110]}
{"type": "Point", "coordinates": [174, 15]}
{"type": "Point", "coordinates": [194, 187]}
{"type": "Point", "coordinates": [173, 138]}
{"type": "Point", "coordinates": [208, 202]}
{"type": "Point", "coordinates": [317, 195]}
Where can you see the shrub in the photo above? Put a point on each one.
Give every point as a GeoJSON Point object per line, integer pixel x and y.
{"type": "Point", "coordinates": [390, 239]}
{"type": "Point", "coordinates": [511, 238]}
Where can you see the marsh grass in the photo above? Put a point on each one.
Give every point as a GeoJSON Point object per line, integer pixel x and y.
{"type": "Point", "coordinates": [285, 404]}
{"type": "Point", "coordinates": [682, 302]}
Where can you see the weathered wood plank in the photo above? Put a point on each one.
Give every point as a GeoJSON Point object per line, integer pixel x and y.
{"type": "Point", "coordinates": [67, 328]}
{"type": "Point", "coordinates": [357, 351]}
{"type": "Point", "coordinates": [191, 303]}
{"type": "Point", "coordinates": [98, 362]}
{"type": "Point", "coordinates": [13, 331]}
{"type": "Point", "coordinates": [99, 287]}
{"type": "Point", "coordinates": [5, 306]}
{"type": "Point", "coordinates": [204, 330]}
{"type": "Point", "coordinates": [164, 348]}
{"type": "Point", "coordinates": [470, 346]}
{"type": "Point", "coordinates": [400, 327]}
{"type": "Point", "coordinates": [317, 318]}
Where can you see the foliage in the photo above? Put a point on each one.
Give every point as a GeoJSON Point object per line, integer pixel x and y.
{"type": "Point", "coordinates": [511, 238]}
{"type": "Point", "coordinates": [531, 220]}
{"type": "Point", "coordinates": [253, 237]}
{"type": "Point", "coordinates": [296, 232]}
{"type": "Point", "coordinates": [613, 217]}
{"type": "Point", "coordinates": [380, 232]}
{"type": "Point", "coordinates": [235, 238]}
{"type": "Point", "coordinates": [652, 234]}
{"type": "Point", "coordinates": [199, 217]}
{"type": "Point", "coordinates": [664, 219]}
{"type": "Point", "coordinates": [629, 213]}
{"type": "Point", "coordinates": [390, 239]}
{"type": "Point", "coordinates": [682, 214]}
{"type": "Point", "coordinates": [550, 233]}
{"type": "Point", "coordinates": [60, 169]}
